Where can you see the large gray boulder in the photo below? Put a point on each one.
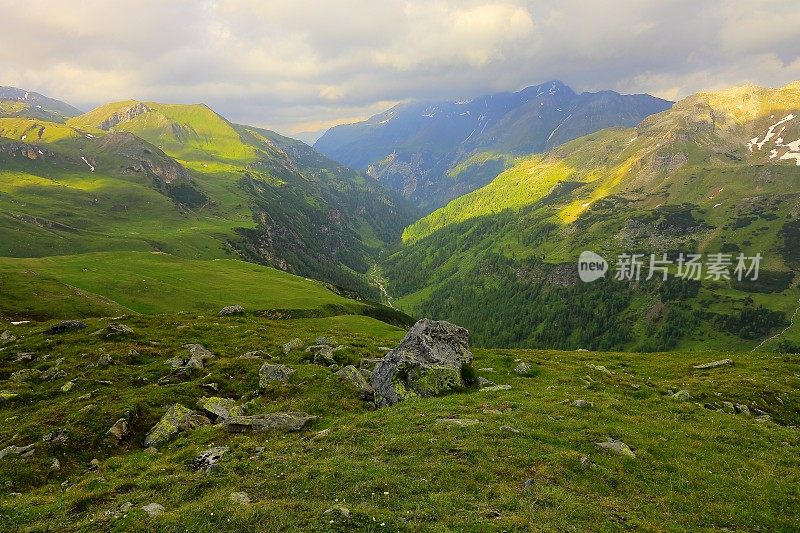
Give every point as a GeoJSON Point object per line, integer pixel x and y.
{"type": "Point", "coordinates": [427, 362]}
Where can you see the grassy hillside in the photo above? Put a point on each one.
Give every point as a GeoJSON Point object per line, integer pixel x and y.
{"type": "Point", "coordinates": [153, 283]}
{"type": "Point", "coordinates": [716, 174]}
{"type": "Point", "coordinates": [525, 458]}
{"type": "Point", "coordinates": [144, 176]}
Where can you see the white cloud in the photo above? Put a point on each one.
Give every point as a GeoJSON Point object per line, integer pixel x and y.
{"type": "Point", "coordinates": [294, 64]}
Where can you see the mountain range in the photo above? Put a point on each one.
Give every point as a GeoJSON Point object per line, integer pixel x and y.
{"type": "Point", "coordinates": [433, 152]}
{"type": "Point", "coordinates": [717, 173]}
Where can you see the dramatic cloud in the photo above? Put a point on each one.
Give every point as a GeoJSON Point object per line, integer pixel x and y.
{"type": "Point", "coordinates": [303, 65]}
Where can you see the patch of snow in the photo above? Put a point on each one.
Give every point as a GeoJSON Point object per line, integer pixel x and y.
{"type": "Point", "coordinates": [24, 137]}
{"type": "Point", "coordinates": [464, 113]}
{"type": "Point", "coordinates": [659, 205]}
{"type": "Point", "coordinates": [717, 205]}
{"type": "Point", "coordinates": [19, 322]}
{"type": "Point", "coordinates": [26, 96]}
{"type": "Point", "coordinates": [89, 136]}
{"type": "Point", "coordinates": [40, 152]}
{"type": "Point", "coordinates": [773, 154]}
{"type": "Point", "coordinates": [586, 204]}
{"type": "Point", "coordinates": [771, 131]}
{"type": "Point", "coordinates": [792, 155]}
{"type": "Point", "coordinates": [88, 164]}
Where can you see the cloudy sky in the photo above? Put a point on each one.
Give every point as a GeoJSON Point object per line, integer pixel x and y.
{"type": "Point", "coordinates": [300, 65]}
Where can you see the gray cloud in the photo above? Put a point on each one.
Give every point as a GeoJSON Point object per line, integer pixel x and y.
{"type": "Point", "coordinates": [302, 65]}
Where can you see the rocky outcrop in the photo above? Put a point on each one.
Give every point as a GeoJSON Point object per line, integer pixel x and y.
{"type": "Point", "coordinates": [714, 364]}
{"type": "Point", "coordinates": [65, 327]}
{"type": "Point", "coordinates": [289, 421]}
{"type": "Point", "coordinates": [124, 116]}
{"type": "Point", "coordinates": [177, 418]}
{"type": "Point", "coordinates": [427, 362]}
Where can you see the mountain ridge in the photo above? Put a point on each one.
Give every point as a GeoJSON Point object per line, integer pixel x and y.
{"type": "Point", "coordinates": [413, 147]}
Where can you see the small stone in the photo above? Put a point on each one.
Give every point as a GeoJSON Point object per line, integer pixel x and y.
{"type": "Point", "coordinates": [322, 354]}
{"type": "Point", "coordinates": [177, 418]}
{"type": "Point", "coordinates": [496, 388]}
{"type": "Point", "coordinates": [22, 451]}
{"type": "Point", "coordinates": [583, 404]}
{"type": "Point", "coordinates": [242, 498]}
{"type": "Point", "coordinates": [66, 387]}
{"type": "Point", "coordinates": [324, 340]}
{"type": "Point", "coordinates": [153, 509]}
{"type": "Point", "coordinates": [617, 446]}
{"type": "Point", "coordinates": [104, 361]}
{"type": "Point", "coordinates": [220, 407]}
{"type": "Point", "coordinates": [483, 382]}
{"type": "Point", "coordinates": [528, 483]}
{"type": "Point", "coordinates": [6, 338]}
{"type": "Point", "coordinates": [357, 379]}
{"type": "Point", "coordinates": [119, 430]}
{"type": "Point", "coordinates": [292, 345]}
{"type": "Point", "coordinates": [55, 464]}
{"type": "Point", "coordinates": [598, 368]}
{"type": "Point", "coordinates": [742, 409]}
{"type": "Point", "coordinates": [95, 464]}
{"type": "Point", "coordinates": [230, 310]}
{"type": "Point", "coordinates": [459, 422]}
{"type": "Point", "coordinates": [682, 395]}
{"type": "Point", "coordinates": [510, 429]}
{"type": "Point", "coordinates": [714, 364]}
{"type": "Point", "coordinates": [115, 330]}
{"type": "Point", "coordinates": [256, 354]}
{"type": "Point", "coordinates": [523, 369]}
{"type": "Point", "coordinates": [321, 434]}
{"type": "Point", "coordinates": [208, 459]}
{"type": "Point", "coordinates": [340, 511]}
{"type": "Point", "coordinates": [269, 373]}
{"type": "Point", "coordinates": [26, 374]}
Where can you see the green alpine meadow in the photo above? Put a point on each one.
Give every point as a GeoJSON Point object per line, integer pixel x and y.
{"type": "Point", "coordinates": [491, 265]}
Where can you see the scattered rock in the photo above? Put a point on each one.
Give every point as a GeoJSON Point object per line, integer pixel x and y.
{"type": "Point", "coordinates": [26, 374]}
{"type": "Point", "coordinates": [510, 429]}
{"type": "Point", "coordinates": [427, 362]}
{"type": "Point", "coordinates": [321, 434]}
{"type": "Point", "coordinates": [714, 364]}
{"type": "Point", "coordinates": [7, 338]}
{"type": "Point", "coordinates": [528, 483]}
{"type": "Point", "coordinates": [483, 382]}
{"type": "Point", "coordinates": [220, 407]}
{"type": "Point", "coordinates": [177, 418]}
{"type": "Point", "coordinates": [231, 310]}
{"type": "Point", "coordinates": [523, 369]}
{"type": "Point", "coordinates": [25, 357]}
{"type": "Point", "coordinates": [269, 373]}
{"type": "Point", "coordinates": [66, 387]}
{"type": "Point", "coordinates": [119, 430]}
{"type": "Point", "coordinates": [352, 374]}
{"type": "Point", "coordinates": [197, 356]}
{"type": "Point", "coordinates": [487, 369]}
{"type": "Point", "coordinates": [242, 498]}
{"type": "Point", "coordinates": [55, 465]}
{"type": "Point", "coordinates": [22, 451]}
{"type": "Point", "coordinates": [586, 462]}
{"type": "Point", "coordinates": [598, 368]}
{"type": "Point", "coordinates": [94, 464]}
{"type": "Point", "coordinates": [496, 388]}
{"type": "Point", "coordinates": [208, 459]}
{"type": "Point", "coordinates": [153, 509]}
{"type": "Point", "coordinates": [288, 421]}
{"type": "Point", "coordinates": [324, 340]}
{"type": "Point", "coordinates": [583, 404]}
{"type": "Point", "coordinates": [292, 345]}
{"type": "Point", "coordinates": [682, 395]}
{"type": "Point", "coordinates": [65, 327]}
{"type": "Point", "coordinates": [115, 330]}
{"type": "Point", "coordinates": [256, 354]}
{"type": "Point", "coordinates": [57, 437]}
{"type": "Point", "coordinates": [340, 511]}
{"type": "Point", "coordinates": [210, 386]}
{"type": "Point", "coordinates": [617, 446]}
{"type": "Point", "coordinates": [459, 422]}
{"type": "Point", "coordinates": [322, 354]}
{"type": "Point", "coordinates": [104, 361]}
{"type": "Point", "coordinates": [742, 409]}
